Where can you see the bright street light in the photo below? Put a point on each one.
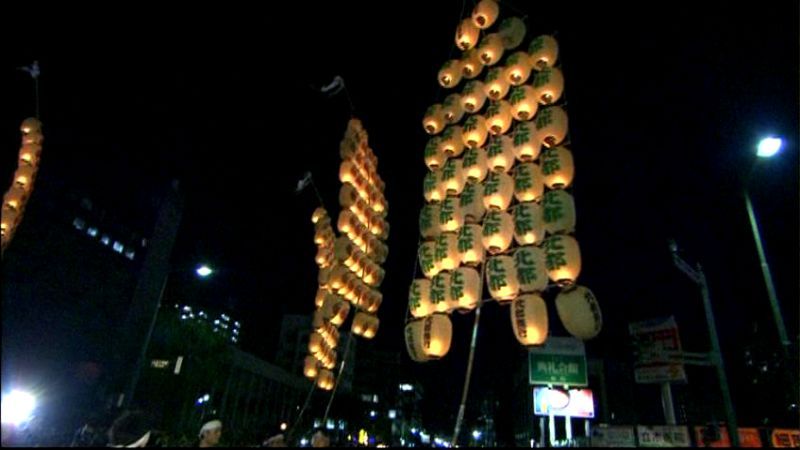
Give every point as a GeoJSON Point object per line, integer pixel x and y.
{"type": "Point", "coordinates": [769, 147]}
{"type": "Point", "coordinates": [17, 407]}
{"type": "Point", "coordinates": [204, 271]}
{"type": "Point", "coordinates": [476, 434]}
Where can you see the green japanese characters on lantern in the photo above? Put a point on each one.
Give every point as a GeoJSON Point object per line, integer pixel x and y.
{"type": "Point", "coordinates": [563, 259]}
{"type": "Point", "coordinates": [528, 224]}
{"type": "Point", "coordinates": [557, 167]}
{"type": "Point", "coordinates": [473, 97]}
{"type": "Point", "coordinates": [434, 158]}
{"type": "Point", "coordinates": [429, 221]}
{"type": "Point", "coordinates": [470, 246]}
{"type": "Point", "coordinates": [474, 131]}
{"type": "Point", "coordinates": [498, 230]}
{"type": "Point", "coordinates": [472, 202]}
{"type": "Point", "coordinates": [446, 251]}
{"type": "Point", "coordinates": [558, 212]}
{"type": "Point", "coordinates": [528, 182]}
{"type": "Point", "coordinates": [502, 278]}
{"type": "Point", "coordinates": [526, 145]}
{"type": "Point", "coordinates": [497, 191]}
{"type": "Point", "coordinates": [530, 263]}
{"type": "Point", "coordinates": [452, 181]}
{"type": "Point", "coordinates": [495, 85]}
{"type": "Point", "coordinates": [500, 154]}
{"type": "Point", "coordinates": [474, 164]}
{"type": "Point", "coordinates": [450, 216]}
{"type": "Point", "coordinates": [551, 125]}
{"type": "Point", "coordinates": [419, 300]}
{"type": "Point", "coordinates": [440, 292]}
{"type": "Point", "coordinates": [432, 188]}
{"type": "Point", "coordinates": [427, 261]}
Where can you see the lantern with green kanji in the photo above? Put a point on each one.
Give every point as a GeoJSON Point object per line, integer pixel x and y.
{"type": "Point", "coordinates": [451, 143]}
{"type": "Point", "coordinates": [518, 68]}
{"type": "Point", "coordinates": [467, 34]}
{"type": "Point", "coordinates": [498, 231]}
{"type": "Point", "coordinates": [551, 126]}
{"type": "Point", "coordinates": [549, 85]}
{"type": "Point", "coordinates": [310, 368]}
{"type": "Point", "coordinates": [495, 85]}
{"type": "Point", "coordinates": [452, 177]}
{"type": "Point", "coordinates": [531, 264]}
{"type": "Point", "coordinates": [543, 51]}
{"type": "Point", "coordinates": [433, 122]}
{"type": "Point", "coordinates": [451, 218]}
{"type": "Point", "coordinates": [434, 158]}
{"type": "Point", "coordinates": [413, 333]}
{"type": "Point", "coordinates": [464, 288]}
{"type": "Point", "coordinates": [528, 224]}
{"type": "Point", "coordinates": [526, 145]}
{"type": "Point", "coordinates": [523, 103]}
{"type": "Point", "coordinates": [528, 182]}
{"type": "Point", "coordinates": [453, 110]}
{"type": "Point", "coordinates": [446, 251]}
{"type": "Point", "coordinates": [558, 167]}
{"type": "Point", "coordinates": [529, 319]}
{"type": "Point", "coordinates": [474, 132]}
{"type": "Point", "coordinates": [579, 312]}
{"type": "Point", "coordinates": [497, 191]}
{"type": "Point", "coordinates": [485, 13]}
{"type": "Point", "coordinates": [558, 212]}
{"type": "Point", "coordinates": [472, 202]}
{"type": "Point", "coordinates": [501, 277]}
{"type": "Point", "coordinates": [419, 298]}
{"type": "Point", "coordinates": [429, 220]}
{"type": "Point", "coordinates": [450, 73]}
{"type": "Point", "coordinates": [474, 164]}
{"type": "Point", "coordinates": [471, 64]}
{"type": "Point", "coordinates": [470, 244]}
{"type": "Point", "coordinates": [432, 188]}
{"type": "Point", "coordinates": [500, 154]}
{"type": "Point", "coordinates": [563, 259]}
{"type": "Point", "coordinates": [512, 31]}
{"type": "Point", "coordinates": [498, 117]}
{"type": "Point", "coordinates": [473, 96]}
{"type": "Point", "coordinates": [440, 292]}
{"type": "Point", "coordinates": [427, 262]}
{"type": "Point", "coordinates": [491, 49]}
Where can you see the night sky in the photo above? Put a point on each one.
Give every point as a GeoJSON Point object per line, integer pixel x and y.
{"type": "Point", "coordinates": [666, 106]}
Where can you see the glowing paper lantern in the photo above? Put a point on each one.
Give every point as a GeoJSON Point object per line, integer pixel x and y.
{"type": "Point", "coordinates": [310, 367]}
{"type": "Point", "coordinates": [512, 32]}
{"type": "Point", "coordinates": [543, 51]}
{"type": "Point", "coordinates": [315, 342]}
{"type": "Point", "coordinates": [30, 125]}
{"type": "Point", "coordinates": [549, 85]}
{"type": "Point", "coordinates": [526, 145]}
{"type": "Point", "coordinates": [29, 154]}
{"type": "Point", "coordinates": [563, 259]}
{"type": "Point", "coordinates": [531, 265]}
{"type": "Point", "coordinates": [467, 34]}
{"type": "Point", "coordinates": [437, 333]}
{"type": "Point", "coordinates": [498, 231]}
{"type": "Point", "coordinates": [450, 73]}
{"type": "Point", "coordinates": [372, 323]}
{"type": "Point", "coordinates": [470, 245]}
{"type": "Point", "coordinates": [433, 122]}
{"type": "Point", "coordinates": [413, 333]}
{"type": "Point", "coordinates": [364, 325]}
{"type": "Point", "coordinates": [485, 13]}
{"type": "Point", "coordinates": [427, 262]}
{"type": "Point", "coordinates": [528, 223]}
{"type": "Point", "coordinates": [453, 179]}
{"type": "Point", "coordinates": [24, 177]}
{"type": "Point", "coordinates": [579, 312]}
{"type": "Point", "coordinates": [33, 138]}
{"type": "Point", "coordinates": [325, 379]}
{"type": "Point", "coordinates": [324, 256]}
{"type": "Point", "coordinates": [432, 189]}
{"type": "Point", "coordinates": [551, 126]}
{"type": "Point", "coordinates": [434, 158]}
{"type": "Point", "coordinates": [451, 143]}
{"type": "Point", "coordinates": [473, 96]}
{"type": "Point", "coordinates": [451, 218]}
{"type": "Point", "coordinates": [528, 182]}
{"type": "Point", "coordinates": [440, 292]}
{"type": "Point", "coordinates": [523, 103]}
{"type": "Point", "coordinates": [557, 167]}
{"type": "Point", "coordinates": [320, 297]}
{"type": "Point", "coordinates": [529, 319]}
{"type": "Point", "coordinates": [471, 64]}
{"type": "Point", "coordinates": [474, 164]}
{"type": "Point", "coordinates": [474, 132]}
{"type": "Point", "coordinates": [501, 276]}
{"type": "Point", "coordinates": [518, 68]}
{"type": "Point", "coordinates": [10, 218]}
{"type": "Point", "coordinates": [452, 108]}
{"type": "Point", "coordinates": [472, 203]}
{"type": "Point", "coordinates": [446, 251]}
{"type": "Point", "coordinates": [319, 214]}
{"type": "Point", "coordinates": [419, 298]}
{"type": "Point", "coordinates": [14, 198]}
{"type": "Point", "coordinates": [498, 117]}
{"type": "Point", "coordinates": [491, 49]}
{"type": "Point", "coordinates": [465, 288]}
{"type": "Point", "coordinates": [429, 220]}
{"type": "Point", "coordinates": [558, 212]}
{"type": "Point", "coordinates": [495, 85]}
{"type": "Point", "coordinates": [500, 154]}
{"type": "Point", "coordinates": [335, 309]}
{"type": "Point", "coordinates": [497, 191]}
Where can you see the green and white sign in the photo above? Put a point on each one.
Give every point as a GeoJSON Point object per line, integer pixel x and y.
{"type": "Point", "coordinates": [560, 361]}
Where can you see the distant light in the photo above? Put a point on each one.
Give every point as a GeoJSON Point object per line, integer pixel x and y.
{"type": "Point", "coordinates": [304, 442]}
{"type": "Point", "coordinates": [187, 308]}
{"type": "Point", "coordinates": [413, 431]}
{"type": "Point", "coordinates": [283, 426]}
{"type": "Point", "coordinates": [406, 387]}
{"type": "Point", "coordinates": [17, 407]}
{"type": "Point", "coordinates": [204, 271]}
{"type": "Point", "coordinates": [130, 254]}
{"type": "Point", "coordinates": [373, 414]}
{"type": "Point", "coordinates": [769, 147]}
{"type": "Point", "coordinates": [78, 223]}
{"type": "Point", "coordinates": [92, 231]}
{"type": "Point", "coordinates": [476, 434]}
{"type": "Point", "coordinates": [105, 240]}
{"type": "Point", "coordinates": [118, 247]}
{"type": "Point", "coordinates": [206, 397]}
{"type": "Point", "coordinates": [216, 322]}
{"type": "Point", "coordinates": [374, 399]}
{"type": "Point", "coordinates": [392, 414]}
{"type": "Point", "coordinates": [330, 425]}
{"type": "Point", "coordinates": [237, 324]}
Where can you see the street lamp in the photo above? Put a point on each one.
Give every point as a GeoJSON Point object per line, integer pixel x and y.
{"type": "Point", "coordinates": [204, 271]}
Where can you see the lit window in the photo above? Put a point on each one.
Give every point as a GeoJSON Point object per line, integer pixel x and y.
{"type": "Point", "coordinates": [78, 223]}
{"type": "Point", "coordinates": [130, 254]}
{"type": "Point", "coordinates": [118, 247]}
{"type": "Point", "coordinates": [92, 231]}
{"type": "Point", "coordinates": [329, 424]}
{"type": "Point", "coordinates": [374, 399]}
{"type": "Point", "coordinates": [216, 322]}
{"type": "Point", "coordinates": [406, 387]}
{"type": "Point", "coordinates": [105, 240]}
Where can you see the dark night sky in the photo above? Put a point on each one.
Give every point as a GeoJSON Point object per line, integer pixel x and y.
{"type": "Point", "coordinates": [665, 108]}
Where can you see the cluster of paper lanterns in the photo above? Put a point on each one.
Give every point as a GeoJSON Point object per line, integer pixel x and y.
{"type": "Point", "coordinates": [496, 191]}
{"type": "Point", "coordinates": [349, 261]}
{"type": "Point", "coordinates": [16, 197]}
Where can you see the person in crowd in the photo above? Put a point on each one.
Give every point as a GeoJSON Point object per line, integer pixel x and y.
{"type": "Point", "coordinates": [319, 439]}
{"type": "Point", "coordinates": [130, 430]}
{"type": "Point", "coordinates": [210, 433]}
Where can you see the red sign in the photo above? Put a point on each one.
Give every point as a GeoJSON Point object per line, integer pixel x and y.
{"type": "Point", "coordinates": [748, 437]}
{"type": "Point", "coordinates": [782, 437]}
{"type": "Point", "coordinates": [657, 345]}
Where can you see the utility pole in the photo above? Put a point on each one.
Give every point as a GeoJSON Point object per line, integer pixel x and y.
{"type": "Point", "coordinates": [715, 355]}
